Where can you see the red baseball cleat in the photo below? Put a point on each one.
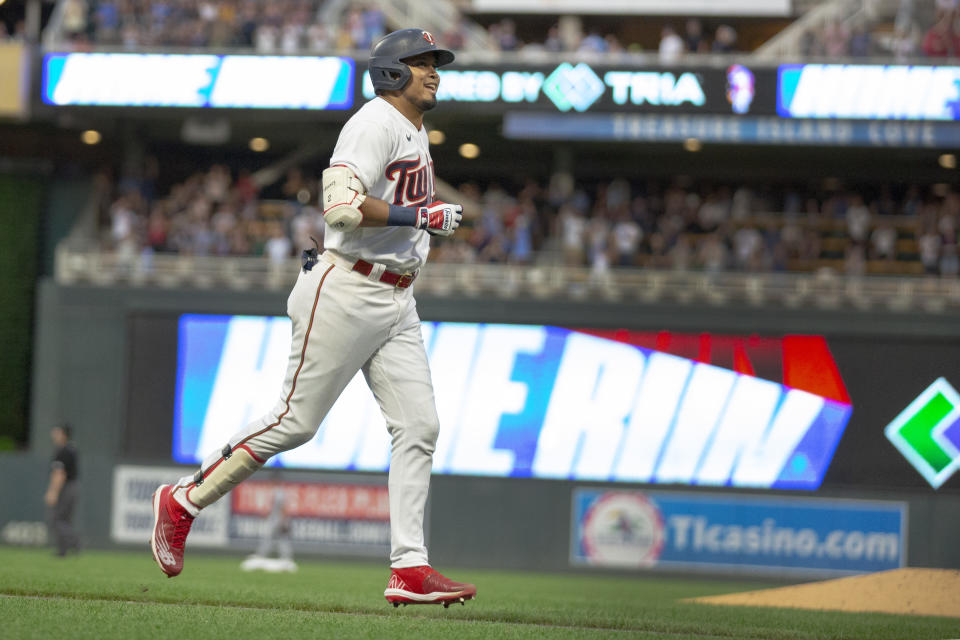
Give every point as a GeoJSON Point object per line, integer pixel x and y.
{"type": "Point", "coordinates": [171, 524]}
{"type": "Point", "coordinates": [423, 585]}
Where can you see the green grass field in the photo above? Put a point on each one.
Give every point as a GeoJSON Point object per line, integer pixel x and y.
{"type": "Point", "coordinates": [107, 595]}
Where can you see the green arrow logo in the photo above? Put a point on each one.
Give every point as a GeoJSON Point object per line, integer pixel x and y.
{"type": "Point", "coordinates": [927, 432]}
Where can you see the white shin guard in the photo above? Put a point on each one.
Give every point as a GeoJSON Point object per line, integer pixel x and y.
{"type": "Point", "coordinates": [217, 481]}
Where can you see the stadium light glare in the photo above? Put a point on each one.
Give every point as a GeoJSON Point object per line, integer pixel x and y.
{"type": "Point", "coordinates": [469, 150]}
{"type": "Point", "coordinates": [259, 144]}
{"type": "Point", "coordinates": [90, 136]}
{"type": "Point", "coordinates": [948, 161]}
{"type": "Point", "coordinates": [437, 137]}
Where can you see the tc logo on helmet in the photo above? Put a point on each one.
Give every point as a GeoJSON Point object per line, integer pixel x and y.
{"type": "Point", "coordinates": [429, 37]}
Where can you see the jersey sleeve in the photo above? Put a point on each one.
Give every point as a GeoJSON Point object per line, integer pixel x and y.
{"type": "Point", "coordinates": [365, 147]}
{"type": "Point", "coordinates": [59, 460]}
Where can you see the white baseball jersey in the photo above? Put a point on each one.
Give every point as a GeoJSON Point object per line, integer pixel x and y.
{"type": "Point", "coordinates": [392, 159]}
{"type": "Point", "coordinates": [345, 322]}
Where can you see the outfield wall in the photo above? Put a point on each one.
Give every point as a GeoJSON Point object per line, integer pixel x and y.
{"type": "Point", "coordinates": [873, 509]}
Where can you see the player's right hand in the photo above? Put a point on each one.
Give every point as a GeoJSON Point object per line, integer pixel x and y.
{"type": "Point", "coordinates": [439, 218]}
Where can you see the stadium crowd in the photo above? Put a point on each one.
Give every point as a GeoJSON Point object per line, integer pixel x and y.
{"type": "Point", "coordinates": [907, 37]}
{"type": "Point", "coordinates": [671, 225]}
{"type": "Point", "coordinates": [281, 26]}
{"type": "Point", "coordinates": [300, 26]}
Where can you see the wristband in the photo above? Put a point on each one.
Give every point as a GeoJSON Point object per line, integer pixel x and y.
{"type": "Point", "coordinates": [401, 216]}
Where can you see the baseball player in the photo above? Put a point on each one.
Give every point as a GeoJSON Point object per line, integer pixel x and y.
{"type": "Point", "coordinates": [353, 309]}
{"type": "Point", "coordinates": [276, 536]}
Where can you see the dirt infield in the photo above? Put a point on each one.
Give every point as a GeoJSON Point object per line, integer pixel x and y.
{"type": "Point", "coordinates": [922, 592]}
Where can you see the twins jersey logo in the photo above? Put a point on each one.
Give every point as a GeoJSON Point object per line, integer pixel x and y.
{"type": "Point", "coordinates": [414, 182]}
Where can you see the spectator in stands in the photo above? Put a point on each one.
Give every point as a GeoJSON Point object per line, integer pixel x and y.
{"type": "Point", "coordinates": [836, 39]}
{"type": "Point", "coordinates": [861, 42]}
{"type": "Point", "coordinates": [278, 247]}
{"type": "Point", "coordinates": [671, 45]}
{"type": "Point", "coordinates": [158, 227]}
{"type": "Point", "coordinates": [693, 36]}
{"type": "Point", "coordinates": [107, 21]}
{"type": "Point", "coordinates": [456, 36]}
{"type": "Point", "coordinates": [858, 219]}
{"type": "Point", "coordinates": [725, 39]}
{"type": "Point", "coordinates": [289, 26]}
{"type": "Point", "coordinates": [553, 43]}
{"type": "Point", "coordinates": [680, 254]}
{"type": "Point", "coordinates": [748, 249]}
{"type": "Point", "coordinates": [520, 230]}
{"type": "Point", "coordinates": [572, 232]}
{"type": "Point", "coordinates": [209, 213]}
{"type": "Point", "coordinates": [125, 227]}
{"type": "Point", "coordinates": [928, 245]}
{"type": "Point", "coordinates": [505, 34]}
{"type": "Point", "coordinates": [74, 20]}
{"type": "Point", "coordinates": [374, 27]}
{"type": "Point", "coordinates": [714, 210]}
{"type": "Point", "coordinates": [942, 40]}
{"type": "Point", "coordinates": [811, 44]}
{"type": "Point", "coordinates": [883, 242]}
{"type": "Point", "coordinates": [593, 42]}
{"type": "Point", "coordinates": [949, 261]}
{"type": "Point", "coordinates": [713, 254]}
{"type": "Point", "coordinates": [855, 260]}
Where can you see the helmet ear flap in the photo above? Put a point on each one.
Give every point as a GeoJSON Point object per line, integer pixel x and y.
{"type": "Point", "coordinates": [388, 75]}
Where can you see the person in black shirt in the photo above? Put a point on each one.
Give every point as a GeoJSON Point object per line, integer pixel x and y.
{"type": "Point", "coordinates": [61, 496]}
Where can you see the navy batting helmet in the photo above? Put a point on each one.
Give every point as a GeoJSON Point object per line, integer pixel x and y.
{"type": "Point", "coordinates": [387, 72]}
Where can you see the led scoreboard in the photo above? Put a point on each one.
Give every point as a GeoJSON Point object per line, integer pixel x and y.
{"type": "Point", "coordinates": [545, 402]}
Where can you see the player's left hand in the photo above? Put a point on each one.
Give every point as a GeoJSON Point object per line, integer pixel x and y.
{"type": "Point", "coordinates": [439, 218]}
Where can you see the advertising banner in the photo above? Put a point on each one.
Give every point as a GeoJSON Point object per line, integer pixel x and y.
{"type": "Point", "coordinates": [132, 510]}
{"type": "Point", "coordinates": [737, 102]}
{"type": "Point", "coordinates": [637, 7]}
{"type": "Point", "coordinates": [546, 402]}
{"type": "Point", "coordinates": [199, 81]}
{"type": "Point", "coordinates": [321, 516]}
{"type": "Point", "coordinates": [729, 129]}
{"type": "Point", "coordinates": [334, 517]}
{"type": "Point", "coordinates": [339, 83]}
{"type": "Point", "coordinates": [633, 529]}
{"type": "Point", "coordinates": [578, 87]}
{"type": "Point", "coordinates": [869, 92]}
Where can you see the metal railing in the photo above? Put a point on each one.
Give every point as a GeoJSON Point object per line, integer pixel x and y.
{"type": "Point", "coordinates": [822, 290]}
{"type": "Point", "coordinates": [786, 43]}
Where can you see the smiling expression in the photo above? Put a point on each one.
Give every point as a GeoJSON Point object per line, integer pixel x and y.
{"type": "Point", "coordinates": [421, 90]}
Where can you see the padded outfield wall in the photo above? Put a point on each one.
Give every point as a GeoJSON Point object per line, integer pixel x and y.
{"type": "Point", "coordinates": [835, 474]}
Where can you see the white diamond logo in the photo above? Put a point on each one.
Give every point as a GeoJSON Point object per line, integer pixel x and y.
{"type": "Point", "coordinates": [573, 87]}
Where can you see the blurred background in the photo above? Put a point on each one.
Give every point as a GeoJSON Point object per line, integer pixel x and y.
{"type": "Point", "coordinates": [703, 313]}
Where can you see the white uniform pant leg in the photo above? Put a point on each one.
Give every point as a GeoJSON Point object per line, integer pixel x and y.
{"type": "Point", "coordinates": [399, 376]}
{"type": "Point", "coordinates": [339, 318]}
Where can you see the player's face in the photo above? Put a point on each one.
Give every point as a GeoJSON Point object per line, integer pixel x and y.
{"type": "Point", "coordinates": [421, 90]}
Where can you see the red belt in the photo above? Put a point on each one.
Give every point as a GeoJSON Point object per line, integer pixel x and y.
{"type": "Point", "coordinates": [401, 280]}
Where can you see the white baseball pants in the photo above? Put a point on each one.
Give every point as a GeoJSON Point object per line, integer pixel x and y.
{"type": "Point", "coordinates": [343, 322]}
